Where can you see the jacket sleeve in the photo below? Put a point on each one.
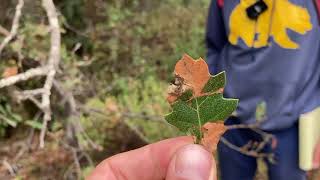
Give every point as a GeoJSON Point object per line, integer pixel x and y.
{"type": "Point", "coordinates": [216, 36]}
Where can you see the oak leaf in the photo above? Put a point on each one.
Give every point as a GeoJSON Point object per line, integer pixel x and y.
{"type": "Point", "coordinates": [197, 99]}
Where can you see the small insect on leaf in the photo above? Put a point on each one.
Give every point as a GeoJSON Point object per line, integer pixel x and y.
{"type": "Point", "coordinates": [197, 99]}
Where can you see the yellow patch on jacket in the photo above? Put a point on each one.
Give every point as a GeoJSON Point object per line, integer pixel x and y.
{"type": "Point", "coordinates": [280, 16]}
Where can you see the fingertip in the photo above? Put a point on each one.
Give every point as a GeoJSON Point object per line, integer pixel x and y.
{"type": "Point", "coordinates": [191, 162]}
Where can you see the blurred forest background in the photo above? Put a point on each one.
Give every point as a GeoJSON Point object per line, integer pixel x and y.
{"type": "Point", "coordinates": [109, 90]}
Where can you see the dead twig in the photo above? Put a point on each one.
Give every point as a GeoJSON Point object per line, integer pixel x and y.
{"type": "Point", "coordinates": [15, 26]}
{"type": "Point", "coordinates": [49, 70]}
{"type": "Point", "coordinates": [126, 115]}
{"type": "Point", "coordinates": [76, 162]}
{"type": "Point", "coordinates": [243, 126]}
{"type": "Point", "coordinates": [87, 157]}
{"type": "Point", "coordinates": [23, 149]}
{"type": "Point", "coordinates": [74, 115]}
{"type": "Point", "coordinates": [251, 148]}
{"type": "Point", "coordinates": [31, 73]}
{"type": "Point", "coordinates": [53, 62]}
{"type": "Point", "coordinates": [33, 92]}
{"type": "Point", "coordinates": [129, 115]}
{"type": "Point", "coordinates": [76, 158]}
{"type": "Point", "coordinates": [8, 166]}
{"type": "Point", "coordinates": [245, 151]}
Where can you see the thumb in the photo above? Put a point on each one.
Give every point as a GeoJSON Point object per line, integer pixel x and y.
{"type": "Point", "coordinates": [192, 162]}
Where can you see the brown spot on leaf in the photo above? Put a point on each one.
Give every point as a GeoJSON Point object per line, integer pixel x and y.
{"type": "Point", "coordinates": [212, 134]}
{"type": "Point", "coordinates": [195, 73]}
{"type": "Point", "coordinates": [189, 74]}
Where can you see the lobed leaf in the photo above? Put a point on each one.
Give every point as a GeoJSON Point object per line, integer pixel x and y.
{"type": "Point", "coordinates": [196, 99]}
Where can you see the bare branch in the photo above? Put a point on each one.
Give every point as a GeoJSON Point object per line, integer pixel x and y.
{"type": "Point", "coordinates": [267, 137]}
{"type": "Point", "coordinates": [27, 93]}
{"type": "Point", "coordinates": [53, 62]}
{"type": "Point", "coordinates": [127, 114]}
{"type": "Point", "coordinates": [49, 70]}
{"type": "Point", "coordinates": [15, 26]}
{"type": "Point", "coordinates": [251, 148]}
{"type": "Point", "coordinates": [35, 72]}
{"type": "Point", "coordinates": [243, 126]}
{"type": "Point", "coordinates": [76, 162]}
{"type": "Point", "coordinates": [36, 102]}
{"type": "Point", "coordinates": [87, 157]}
{"type": "Point", "coordinates": [9, 167]}
{"type": "Point", "coordinates": [74, 114]}
{"type": "Point", "coordinates": [244, 151]}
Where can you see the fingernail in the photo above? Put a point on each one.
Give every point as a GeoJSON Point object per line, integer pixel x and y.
{"type": "Point", "coordinates": [193, 162]}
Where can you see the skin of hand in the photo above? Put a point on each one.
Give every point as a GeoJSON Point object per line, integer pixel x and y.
{"type": "Point", "coordinates": [316, 159]}
{"type": "Point", "coordinates": [171, 159]}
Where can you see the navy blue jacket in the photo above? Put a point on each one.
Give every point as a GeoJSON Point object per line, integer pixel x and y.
{"type": "Point", "coordinates": [275, 59]}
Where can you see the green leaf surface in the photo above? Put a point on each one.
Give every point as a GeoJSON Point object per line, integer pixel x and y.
{"type": "Point", "coordinates": [186, 95]}
{"type": "Point", "coordinates": [8, 120]}
{"type": "Point", "coordinates": [190, 116]}
{"type": "Point", "coordinates": [215, 83]}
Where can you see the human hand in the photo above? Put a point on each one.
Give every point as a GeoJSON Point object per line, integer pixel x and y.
{"type": "Point", "coordinates": [172, 159]}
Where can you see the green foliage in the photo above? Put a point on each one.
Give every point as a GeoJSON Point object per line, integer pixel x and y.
{"type": "Point", "coordinates": [7, 117]}
{"type": "Point", "coordinates": [189, 116]}
{"type": "Point", "coordinates": [10, 118]}
{"type": "Point", "coordinates": [144, 99]}
{"type": "Point", "coordinates": [148, 41]}
{"type": "Point", "coordinates": [87, 171]}
{"type": "Point", "coordinates": [35, 41]}
{"type": "Point", "coordinates": [147, 94]}
{"type": "Point", "coordinates": [126, 52]}
{"type": "Point", "coordinates": [34, 124]}
{"type": "Point", "coordinates": [72, 10]}
{"type": "Point", "coordinates": [215, 83]}
{"type": "Point", "coordinates": [147, 98]}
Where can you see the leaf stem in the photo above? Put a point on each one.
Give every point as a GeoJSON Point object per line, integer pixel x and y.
{"type": "Point", "coordinates": [200, 124]}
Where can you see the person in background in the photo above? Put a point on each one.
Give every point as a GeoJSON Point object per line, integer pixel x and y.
{"type": "Point", "coordinates": [270, 50]}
